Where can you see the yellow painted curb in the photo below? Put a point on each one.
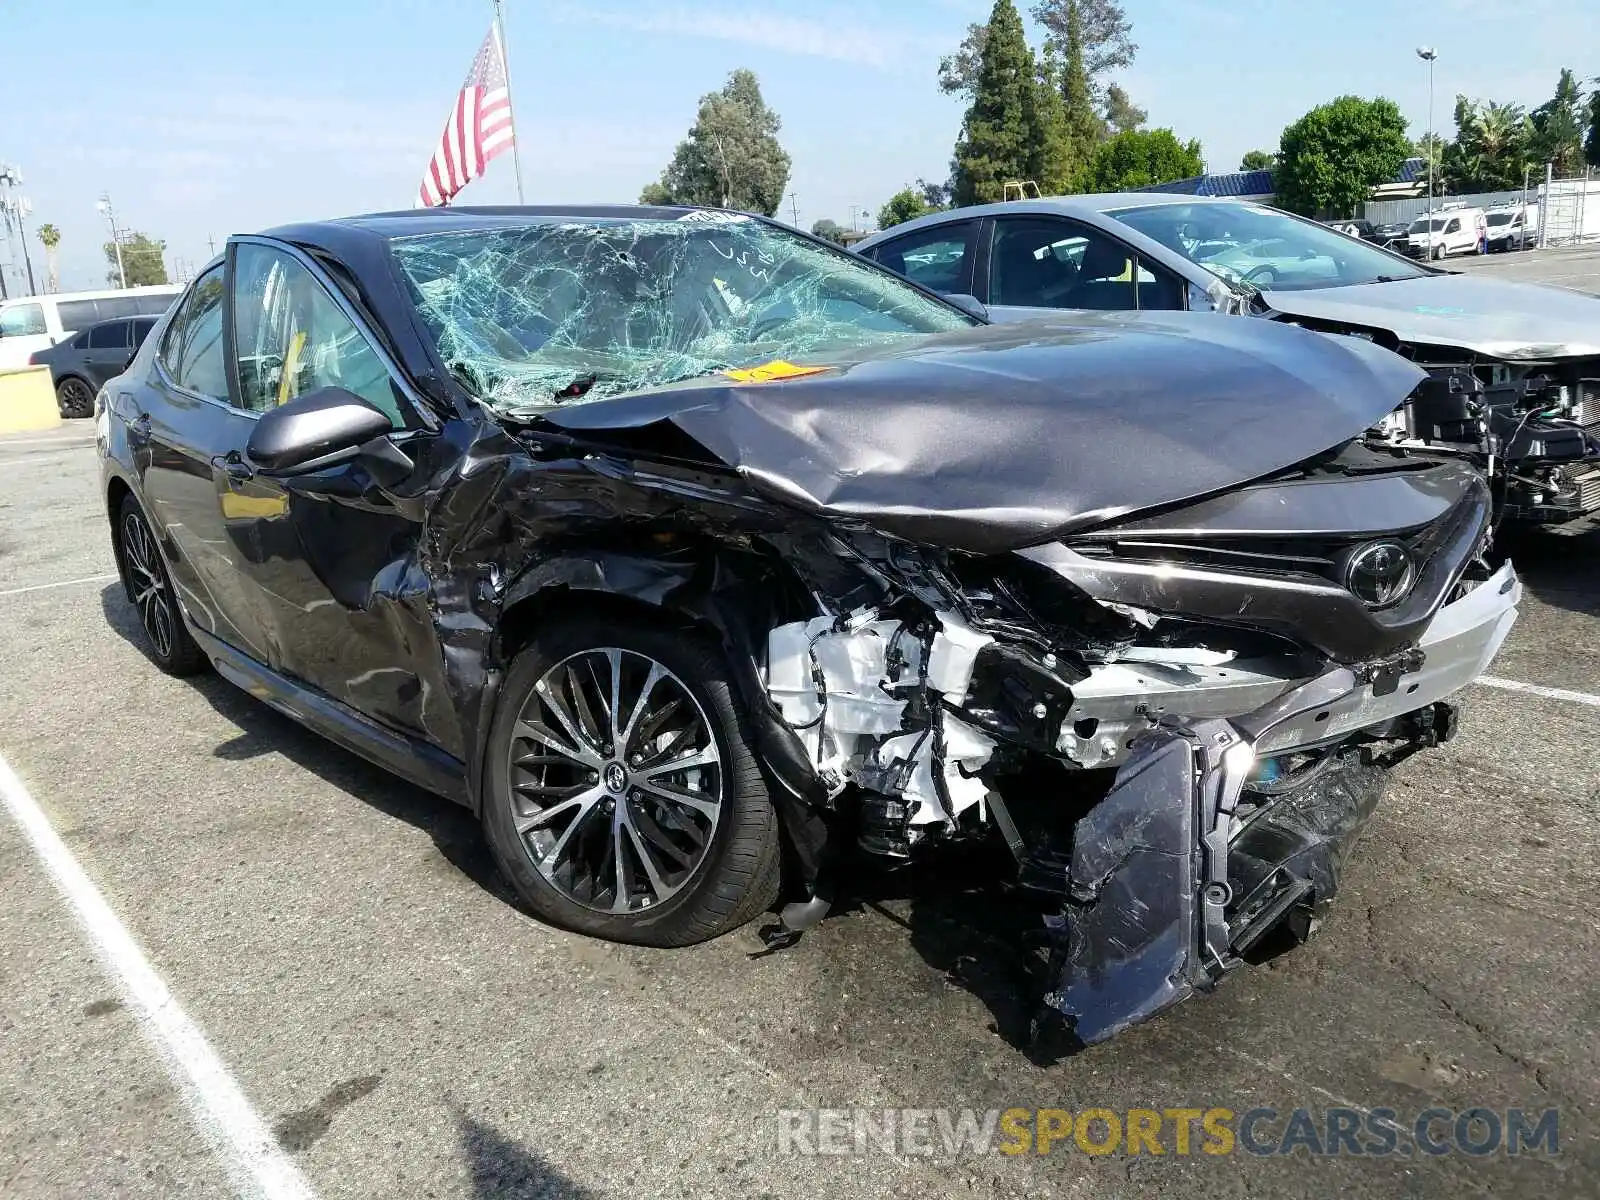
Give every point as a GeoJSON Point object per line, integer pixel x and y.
{"type": "Point", "coordinates": [27, 400]}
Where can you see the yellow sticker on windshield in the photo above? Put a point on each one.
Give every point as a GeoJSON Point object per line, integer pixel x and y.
{"type": "Point", "coordinates": [771, 372]}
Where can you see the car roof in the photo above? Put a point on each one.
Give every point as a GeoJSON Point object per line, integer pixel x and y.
{"type": "Point", "coordinates": [102, 294]}
{"type": "Point", "coordinates": [1092, 204]}
{"type": "Point", "coordinates": [343, 232]}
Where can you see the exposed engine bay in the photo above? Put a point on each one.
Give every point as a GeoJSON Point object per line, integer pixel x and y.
{"type": "Point", "coordinates": [1534, 428]}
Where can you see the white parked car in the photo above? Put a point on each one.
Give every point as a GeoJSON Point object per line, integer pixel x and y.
{"type": "Point", "coordinates": [36, 322]}
{"type": "Point", "coordinates": [1446, 231]}
{"type": "Point", "coordinates": [1513, 227]}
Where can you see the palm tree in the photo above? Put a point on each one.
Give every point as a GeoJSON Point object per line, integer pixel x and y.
{"type": "Point", "coordinates": [51, 237]}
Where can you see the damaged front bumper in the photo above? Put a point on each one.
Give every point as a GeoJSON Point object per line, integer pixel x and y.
{"type": "Point", "coordinates": [1178, 873]}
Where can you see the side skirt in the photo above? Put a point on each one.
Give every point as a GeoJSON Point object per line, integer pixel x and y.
{"type": "Point", "coordinates": [416, 761]}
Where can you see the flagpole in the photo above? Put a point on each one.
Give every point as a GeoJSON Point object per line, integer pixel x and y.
{"type": "Point", "coordinates": [516, 139]}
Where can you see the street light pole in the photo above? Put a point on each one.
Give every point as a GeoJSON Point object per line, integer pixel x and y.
{"type": "Point", "coordinates": [111, 219]}
{"type": "Point", "coordinates": [1427, 54]}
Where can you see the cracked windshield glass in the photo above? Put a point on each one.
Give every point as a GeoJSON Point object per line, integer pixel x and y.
{"type": "Point", "coordinates": [561, 313]}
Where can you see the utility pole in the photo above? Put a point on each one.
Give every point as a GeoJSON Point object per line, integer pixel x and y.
{"type": "Point", "coordinates": [106, 211]}
{"type": "Point", "coordinates": [794, 209]}
{"type": "Point", "coordinates": [16, 208]}
{"type": "Point", "coordinates": [727, 175]}
{"type": "Point", "coordinates": [211, 245]}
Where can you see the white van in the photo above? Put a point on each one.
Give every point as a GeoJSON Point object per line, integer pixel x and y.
{"type": "Point", "coordinates": [34, 322]}
{"type": "Point", "coordinates": [1450, 230]}
{"type": "Point", "coordinates": [1513, 227]}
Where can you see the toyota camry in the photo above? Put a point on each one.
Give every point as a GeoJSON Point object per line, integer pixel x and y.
{"type": "Point", "coordinates": [700, 558]}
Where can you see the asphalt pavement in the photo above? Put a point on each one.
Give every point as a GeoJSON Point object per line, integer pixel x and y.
{"type": "Point", "coordinates": [402, 1029]}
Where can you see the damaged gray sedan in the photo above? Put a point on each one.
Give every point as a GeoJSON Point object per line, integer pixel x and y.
{"type": "Point", "coordinates": [698, 557]}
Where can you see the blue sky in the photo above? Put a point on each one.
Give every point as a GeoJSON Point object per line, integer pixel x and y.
{"type": "Point", "coordinates": [205, 118]}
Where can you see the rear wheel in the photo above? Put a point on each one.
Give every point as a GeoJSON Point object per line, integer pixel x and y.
{"type": "Point", "coordinates": [74, 397]}
{"type": "Point", "coordinates": [622, 798]}
{"type": "Point", "coordinates": [145, 575]}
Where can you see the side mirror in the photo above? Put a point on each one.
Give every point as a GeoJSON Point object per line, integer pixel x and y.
{"type": "Point", "coordinates": [968, 304]}
{"type": "Point", "coordinates": [314, 431]}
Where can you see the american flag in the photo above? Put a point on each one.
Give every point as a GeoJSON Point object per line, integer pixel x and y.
{"type": "Point", "coordinates": [479, 127]}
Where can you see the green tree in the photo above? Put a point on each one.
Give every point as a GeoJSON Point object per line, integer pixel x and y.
{"type": "Point", "coordinates": [904, 205]}
{"type": "Point", "coordinates": [1104, 28]}
{"type": "Point", "coordinates": [995, 145]}
{"type": "Point", "coordinates": [934, 195]}
{"type": "Point", "coordinates": [829, 230]}
{"type": "Point", "coordinates": [732, 157]}
{"type": "Point", "coordinates": [1258, 160]}
{"type": "Point", "coordinates": [1558, 126]}
{"type": "Point", "coordinates": [1083, 124]}
{"type": "Point", "coordinates": [1491, 147]}
{"type": "Point", "coordinates": [1054, 163]}
{"type": "Point", "coordinates": [51, 237]}
{"type": "Point", "coordinates": [143, 259]}
{"type": "Point", "coordinates": [1141, 157]}
{"type": "Point", "coordinates": [1591, 143]}
{"type": "Point", "coordinates": [1332, 158]}
{"type": "Point", "coordinates": [1122, 115]}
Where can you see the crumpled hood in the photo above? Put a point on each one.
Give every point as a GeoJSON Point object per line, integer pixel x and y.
{"type": "Point", "coordinates": [1493, 317]}
{"type": "Point", "coordinates": [1010, 435]}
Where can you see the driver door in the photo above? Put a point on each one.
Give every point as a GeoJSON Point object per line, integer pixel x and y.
{"type": "Point", "coordinates": [333, 554]}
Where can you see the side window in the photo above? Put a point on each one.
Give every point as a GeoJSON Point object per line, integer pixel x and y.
{"type": "Point", "coordinates": [292, 337]}
{"type": "Point", "coordinates": [78, 314]}
{"type": "Point", "coordinates": [111, 307]}
{"type": "Point", "coordinates": [191, 351]}
{"type": "Point", "coordinates": [1050, 262]}
{"type": "Point", "coordinates": [22, 320]}
{"type": "Point", "coordinates": [940, 259]}
{"type": "Point", "coordinates": [141, 330]}
{"type": "Point", "coordinates": [152, 304]}
{"type": "Point", "coordinates": [1454, 226]}
{"type": "Point", "coordinates": [111, 335]}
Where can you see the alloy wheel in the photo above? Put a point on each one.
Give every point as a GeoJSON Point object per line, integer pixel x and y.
{"type": "Point", "coordinates": [148, 582]}
{"type": "Point", "coordinates": [74, 398]}
{"type": "Point", "coordinates": [616, 780]}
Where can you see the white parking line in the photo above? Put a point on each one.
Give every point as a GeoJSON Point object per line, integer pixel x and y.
{"type": "Point", "coordinates": [257, 1167]}
{"type": "Point", "coordinates": [44, 587]}
{"type": "Point", "coordinates": [1533, 689]}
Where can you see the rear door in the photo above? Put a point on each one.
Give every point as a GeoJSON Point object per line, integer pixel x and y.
{"type": "Point", "coordinates": [181, 424]}
{"type": "Point", "coordinates": [940, 257]}
{"type": "Point", "coordinates": [108, 346]}
{"type": "Point", "coordinates": [1043, 262]}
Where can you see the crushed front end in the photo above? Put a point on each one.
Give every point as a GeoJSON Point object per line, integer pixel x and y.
{"type": "Point", "coordinates": [1178, 723]}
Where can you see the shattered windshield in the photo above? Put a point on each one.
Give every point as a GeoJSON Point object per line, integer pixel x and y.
{"type": "Point", "coordinates": [1250, 243]}
{"type": "Point", "coordinates": [563, 312]}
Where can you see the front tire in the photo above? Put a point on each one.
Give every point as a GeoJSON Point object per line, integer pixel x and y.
{"type": "Point", "coordinates": [621, 797]}
{"type": "Point", "coordinates": [144, 574]}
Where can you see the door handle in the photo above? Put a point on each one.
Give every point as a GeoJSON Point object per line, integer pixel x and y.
{"type": "Point", "coordinates": [233, 465]}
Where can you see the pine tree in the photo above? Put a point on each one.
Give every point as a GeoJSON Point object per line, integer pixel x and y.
{"type": "Point", "coordinates": [1083, 124]}
{"type": "Point", "coordinates": [995, 146]}
{"type": "Point", "coordinates": [1052, 164]}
